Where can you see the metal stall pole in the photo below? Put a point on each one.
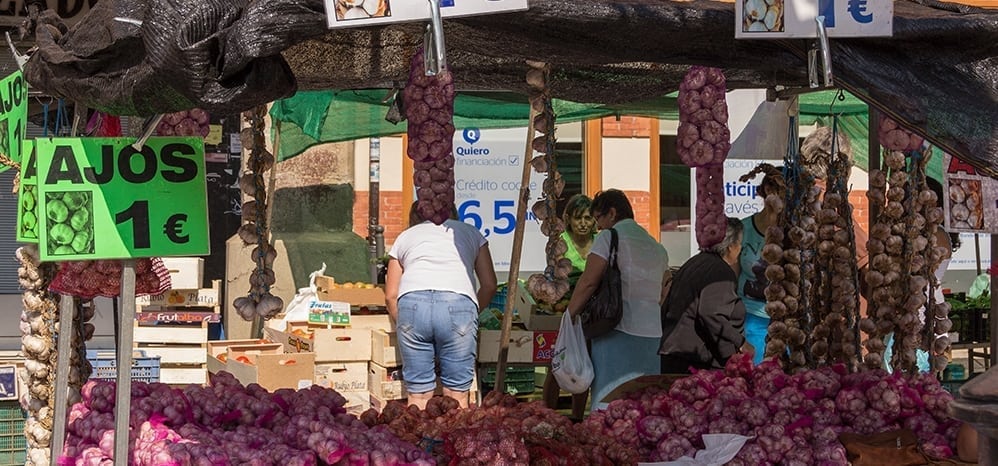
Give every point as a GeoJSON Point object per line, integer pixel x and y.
{"type": "Point", "coordinates": [514, 260]}
{"type": "Point", "coordinates": [64, 346]}
{"type": "Point", "coordinates": [993, 314]}
{"type": "Point", "coordinates": [123, 394]}
{"type": "Point", "coordinates": [375, 232]}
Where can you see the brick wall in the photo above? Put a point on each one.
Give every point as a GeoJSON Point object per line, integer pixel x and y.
{"type": "Point", "coordinates": [626, 127]}
{"type": "Point", "coordinates": [392, 214]}
{"type": "Point", "coordinates": [860, 209]}
{"type": "Point", "coordinates": [641, 203]}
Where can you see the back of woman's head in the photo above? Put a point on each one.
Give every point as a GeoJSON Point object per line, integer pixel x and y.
{"type": "Point", "coordinates": [576, 206]}
{"type": "Point", "coordinates": [732, 236]}
{"type": "Point", "coordinates": [612, 198]}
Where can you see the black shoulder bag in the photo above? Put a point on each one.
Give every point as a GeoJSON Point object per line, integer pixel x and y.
{"type": "Point", "coordinates": [606, 306]}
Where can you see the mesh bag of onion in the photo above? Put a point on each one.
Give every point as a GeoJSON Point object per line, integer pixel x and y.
{"type": "Point", "coordinates": [89, 279]}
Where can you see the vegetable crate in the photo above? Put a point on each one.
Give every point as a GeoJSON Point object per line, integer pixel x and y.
{"type": "Point", "coordinates": [519, 380]}
{"type": "Point", "coordinates": [181, 347]}
{"type": "Point", "coordinates": [105, 366]}
{"type": "Point", "coordinates": [13, 444]}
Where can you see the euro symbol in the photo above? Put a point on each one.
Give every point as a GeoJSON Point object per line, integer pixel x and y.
{"type": "Point", "coordinates": [857, 8]}
{"type": "Point", "coordinates": [173, 228]}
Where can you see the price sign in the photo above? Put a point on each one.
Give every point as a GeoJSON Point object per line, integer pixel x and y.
{"type": "Point", "coordinates": [100, 198]}
{"type": "Point", "coordinates": [27, 196]}
{"type": "Point", "coordinates": [13, 116]}
{"type": "Point", "coordinates": [487, 174]}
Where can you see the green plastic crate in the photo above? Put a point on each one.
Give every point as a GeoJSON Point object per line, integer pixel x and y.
{"type": "Point", "coordinates": [13, 444]}
{"type": "Point", "coordinates": [514, 388]}
{"type": "Point", "coordinates": [513, 375]}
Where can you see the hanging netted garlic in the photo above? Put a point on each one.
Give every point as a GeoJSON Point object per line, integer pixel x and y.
{"type": "Point", "coordinates": [552, 285]}
{"type": "Point", "coordinates": [255, 230]}
{"type": "Point", "coordinates": [38, 320]}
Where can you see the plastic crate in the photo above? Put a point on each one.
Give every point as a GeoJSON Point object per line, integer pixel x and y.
{"type": "Point", "coordinates": [513, 388]}
{"type": "Point", "coordinates": [13, 444]}
{"type": "Point", "coordinates": [513, 375]}
{"type": "Point", "coordinates": [499, 299]}
{"type": "Point", "coordinates": [105, 366]}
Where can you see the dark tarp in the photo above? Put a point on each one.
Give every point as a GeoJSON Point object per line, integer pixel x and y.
{"type": "Point", "coordinates": [938, 74]}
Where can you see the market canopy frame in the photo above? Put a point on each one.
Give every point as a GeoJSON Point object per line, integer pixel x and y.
{"type": "Point", "coordinates": [937, 75]}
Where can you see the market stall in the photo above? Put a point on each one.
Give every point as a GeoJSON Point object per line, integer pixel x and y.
{"type": "Point", "coordinates": [818, 339]}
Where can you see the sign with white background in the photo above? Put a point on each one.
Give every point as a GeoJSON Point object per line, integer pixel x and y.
{"type": "Point", "coordinates": [357, 13]}
{"type": "Point", "coordinates": [488, 167]}
{"type": "Point", "coordinates": [740, 200]}
{"type": "Point", "coordinates": [782, 19]}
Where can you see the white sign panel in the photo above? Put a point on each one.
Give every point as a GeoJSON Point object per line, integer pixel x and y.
{"type": "Point", "coordinates": [965, 258]}
{"type": "Point", "coordinates": [970, 199]}
{"type": "Point", "coordinates": [781, 19]}
{"type": "Point", "coordinates": [740, 200]}
{"type": "Point", "coordinates": [488, 167]}
{"type": "Point", "coordinates": [357, 13]}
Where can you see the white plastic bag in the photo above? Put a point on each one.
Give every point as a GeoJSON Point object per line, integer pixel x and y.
{"type": "Point", "coordinates": [297, 309]}
{"type": "Point", "coordinates": [718, 450]}
{"type": "Point", "coordinates": [570, 363]}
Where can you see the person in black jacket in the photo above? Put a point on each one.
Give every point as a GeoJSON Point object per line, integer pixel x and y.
{"type": "Point", "coordinates": [703, 317]}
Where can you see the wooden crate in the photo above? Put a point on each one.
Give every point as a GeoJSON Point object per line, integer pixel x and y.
{"type": "Point", "coordinates": [181, 306]}
{"type": "Point", "coordinates": [182, 348]}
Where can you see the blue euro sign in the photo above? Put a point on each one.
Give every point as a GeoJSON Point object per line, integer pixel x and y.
{"type": "Point", "coordinates": [826, 8]}
{"type": "Point", "coordinates": [857, 8]}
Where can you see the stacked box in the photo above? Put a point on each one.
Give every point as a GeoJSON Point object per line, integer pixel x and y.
{"type": "Point", "coordinates": [182, 348]}
{"type": "Point", "coordinates": [105, 366]}
{"type": "Point", "coordinates": [270, 367]}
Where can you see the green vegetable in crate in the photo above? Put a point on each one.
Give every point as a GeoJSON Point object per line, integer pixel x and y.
{"type": "Point", "coordinates": [81, 242]}
{"type": "Point", "coordinates": [28, 200]}
{"type": "Point", "coordinates": [79, 219]}
{"type": "Point", "coordinates": [28, 220]}
{"type": "Point", "coordinates": [61, 233]}
{"type": "Point", "coordinates": [56, 210]}
{"type": "Point", "coordinates": [75, 199]}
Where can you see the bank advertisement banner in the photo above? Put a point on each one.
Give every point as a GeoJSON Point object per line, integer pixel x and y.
{"type": "Point", "coordinates": [740, 200]}
{"type": "Point", "coordinates": [488, 167]}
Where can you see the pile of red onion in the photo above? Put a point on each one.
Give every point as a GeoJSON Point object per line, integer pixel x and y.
{"type": "Point", "coordinates": [192, 122]}
{"type": "Point", "coordinates": [703, 141]}
{"type": "Point", "coordinates": [228, 424]}
{"type": "Point", "coordinates": [429, 108]}
{"type": "Point", "coordinates": [794, 419]}
{"type": "Point", "coordinates": [500, 432]}
{"type": "Point", "coordinates": [894, 137]}
{"type": "Point", "coordinates": [89, 279]}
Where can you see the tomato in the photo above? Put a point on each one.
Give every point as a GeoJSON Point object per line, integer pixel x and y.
{"type": "Point", "coordinates": [244, 359]}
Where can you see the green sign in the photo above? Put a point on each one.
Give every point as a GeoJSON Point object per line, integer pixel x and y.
{"type": "Point", "coordinates": [101, 199]}
{"type": "Point", "coordinates": [27, 196]}
{"type": "Point", "coordinates": [328, 312]}
{"type": "Point", "coordinates": [13, 116]}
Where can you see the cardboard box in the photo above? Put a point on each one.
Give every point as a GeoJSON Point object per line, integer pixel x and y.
{"type": "Point", "coordinates": [219, 347]}
{"type": "Point", "coordinates": [378, 404]}
{"type": "Point", "coordinates": [386, 382]}
{"type": "Point", "coordinates": [342, 376]}
{"type": "Point", "coordinates": [357, 402]}
{"type": "Point", "coordinates": [525, 310]}
{"type": "Point", "coordinates": [521, 346]}
{"type": "Point", "coordinates": [328, 290]}
{"type": "Point", "coordinates": [271, 368]}
{"type": "Point", "coordinates": [186, 273]}
{"type": "Point", "coordinates": [372, 321]}
{"type": "Point", "coordinates": [385, 349]}
{"type": "Point", "coordinates": [329, 344]}
{"type": "Point", "coordinates": [524, 346]}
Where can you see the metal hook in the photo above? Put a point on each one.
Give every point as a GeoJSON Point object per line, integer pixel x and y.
{"type": "Point", "coordinates": [826, 50]}
{"type": "Point", "coordinates": [434, 51]}
{"type": "Point", "coordinates": [840, 96]}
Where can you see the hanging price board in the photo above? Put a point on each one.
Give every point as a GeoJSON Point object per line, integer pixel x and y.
{"type": "Point", "coordinates": [27, 196]}
{"type": "Point", "coordinates": [13, 116]}
{"type": "Point", "coordinates": [101, 199]}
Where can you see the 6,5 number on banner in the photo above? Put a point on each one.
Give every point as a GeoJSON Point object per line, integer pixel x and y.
{"type": "Point", "coordinates": [99, 198]}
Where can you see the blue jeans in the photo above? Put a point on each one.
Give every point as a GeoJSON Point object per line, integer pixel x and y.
{"type": "Point", "coordinates": [437, 326]}
{"type": "Point", "coordinates": [755, 332]}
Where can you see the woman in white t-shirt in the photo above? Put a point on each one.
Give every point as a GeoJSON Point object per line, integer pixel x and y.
{"type": "Point", "coordinates": [430, 293]}
{"type": "Point", "coordinates": [630, 349]}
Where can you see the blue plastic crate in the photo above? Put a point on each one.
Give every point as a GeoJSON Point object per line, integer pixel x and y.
{"type": "Point", "coordinates": [105, 366]}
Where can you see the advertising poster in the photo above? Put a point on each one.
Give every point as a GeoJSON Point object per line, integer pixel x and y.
{"type": "Point", "coordinates": [27, 196]}
{"type": "Point", "coordinates": [99, 198]}
{"type": "Point", "coordinates": [740, 199]}
{"type": "Point", "coordinates": [488, 167]}
{"type": "Point", "coordinates": [970, 199]}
